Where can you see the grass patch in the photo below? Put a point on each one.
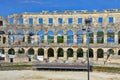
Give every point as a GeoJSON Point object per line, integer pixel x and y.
{"type": "Point", "coordinates": [106, 69]}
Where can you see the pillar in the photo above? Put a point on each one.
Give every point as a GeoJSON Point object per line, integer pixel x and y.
{"type": "Point", "coordinates": [45, 53]}
{"type": "Point", "coordinates": [26, 21]}
{"type": "Point", "coordinates": [84, 38]}
{"type": "Point", "coordinates": [65, 54]}
{"type": "Point", "coordinates": [75, 55]}
{"type": "Point", "coordinates": [26, 38]}
{"type": "Point", "coordinates": [6, 55]}
{"type": "Point", "coordinates": [75, 39]}
{"type": "Point", "coordinates": [116, 38]}
{"type": "Point", "coordinates": [16, 20]}
{"type": "Point", "coordinates": [45, 20]}
{"type": "Point", "coordinates": [55, 38]}
{"type": "Point", "coordinates": [55, 21]}
{"type": "Point", "coordinates": [35, 21]}
{"type": "Point", "coordinates": [65, 39]}
{"type": "Point", "coordinates": [85, 53]}
{"type": "Point", "coordinates": [55, 54]}
{"type": "Point", "coordinates": [35, 37]}
{"type": "Point", "coordinates": [45, 38]}
{"type": "Point", "coordinates": [95, 38]}
{"type": "Point", "coordinates": [95, 54]}
{"type": "Point", "coordinates": [105, 38]}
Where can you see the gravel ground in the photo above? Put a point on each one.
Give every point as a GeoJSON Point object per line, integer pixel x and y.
{"type": "Point", "coordinates": [55, 75]}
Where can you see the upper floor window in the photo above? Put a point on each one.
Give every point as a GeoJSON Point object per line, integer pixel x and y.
{"type": "Point", "coordinates": [50, 20]}
{"type": "Point", "coordinates": [70, 20]}
{"type": "Point", "coordinates": [100, 20]}
{"type": "Point", "coordinates": [30, 20]}
{"type": "Point", "coordinates": [1, 23]}
{"type": "Point", "coordinates": [20, 20]}
{"type": "Point", "coordinates": [111, 19]}
{"type": "Point", "coordinates": [91, 20]}
{"type": "Point", "coordinates": [79, 20]}
{"type": "Point", "coordinates": [40, 20]}
{"type": "Point", "coordinates": [11, 20]}
{"type": "Point", "coordinates": [60, 20]}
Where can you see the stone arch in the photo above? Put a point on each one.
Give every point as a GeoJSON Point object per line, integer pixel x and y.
{"type": "Point", "coordinates": [69, 52]}
{"type": "Point", "coordinates": [50, 52]}
{"type": "Point", "coordinates": [91, 36]}
{"type": "Point", "coordinates": [79, 37]}
{"type": "Point", "coordinates": [2, 54]}
{"type": "Point", "coordinates": [110, 36]}
{"type": "Point", "coordinates": [40, 36]}
{"type": "Point", "coordinates": [11, 51]}
{"type": "Point", "coordinates": [70, 37]}
{"type": "Point", "coordinates": [91, 53]}
{"type": "Point", "coordinates": [110, 51]}
{"type": "Point", "coordinates": [40, 52]}
{"type": "Point", "coordinates": [21, 37]}
{"type": "Point", "coordinates": [100, 36]}
{"type": "Point", "coordinates": [79, 52]}
{"type": "Point", "coordinates": [60, 37]}
{"type": "Point", "coordinates": [100, 53]}
{"type": "Point", "coordinates": [31, 51]}
{"type": "Point", "coordinates": [50, 36]}
{"type": "Point", "coordinates": [119, 37]}
{"type": "Point", "coordinates": [11, 37]}
{"type": "Point", "coordinates": [31, 36]}
{"type": "Point", "coordinates": [21, 51]}
{"type": "Point", "coordinates": [118, 52]}
{"type": "Point", "coordinates": [60, 52]}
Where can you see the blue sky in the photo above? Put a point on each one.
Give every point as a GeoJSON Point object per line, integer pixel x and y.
{"type": "Point", "coordinates": [8, 7]}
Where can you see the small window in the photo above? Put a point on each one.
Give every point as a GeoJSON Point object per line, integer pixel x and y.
{"type": "Point", "coordinates": [91, 19]}
{"type": "Point", "coordinates": [100, 20]}
{"type": "Point", "coordinates": [70, 20]}
{"type": "Point", "coordinates": [79, 20]}
{"type": "Point", "coordinates": [1, 23]}
{"type": "Point", "coordinates": [30, 20]}
{"type": "Point", "coordinates": [50, 20]}
{"type": "Point", "coordinates": [20, 20]}
{"type": "Point", "coordinates": [111, 20]}
{"type": "Point", "coordinates": [40, 20]}
{"type": "Point", "coordinates": [11, 20]}
{"type": "Point", "coordinates": [60, 20]}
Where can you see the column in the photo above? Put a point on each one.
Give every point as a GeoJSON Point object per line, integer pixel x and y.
{"type": "Point", "coordinates": [84, 38]}
{"type": "Point", "coordinates": [55, 54]}
{"type": "Point", "coordinates": [75, 21]}
{"type": "Point", "coordinates": [55, 38]}
{"type": "Point", "coordinates": [35, 21]}
{"type": "Point", "coordinates": [26, 21]}
{"type": "Point", "coordinates": [95, 54]}
{"type": "Point", "coordinates": [6, 39]}
{"type": "Point", "coordinates": [116, 38]}
{"type": "Point", "coordinates": [95, 38]}
{"type": "Point", "coordinates": [6, 55]}
{"type": "Point", "coordinates": [35, 37]}
{"type": "Point", "coordinates": [16, 20]}
{"type": "Point", "coordinates": [65, 39]}
{"type": "Point", "coordinates": [75, 55]}
{"type": "Point", "coordinates": [85, 52]}
{"type": "Point", "coordinates": [45, 21]}
{"type": "Point", "coordinates": [105, 38]}
{"type": "Point", "coordinates": [75, 39]}
{"type": "Point", "coordinates": [45, 53]}
{"type": "Point", "coordinates": [45, 39]}
{"type": "Point", "coordinates": [55, 21]}
{"type": "Point", "coordinates": [65, 54]}
{"type": "Point", "coordinates": [65, 21]}
{"type": "Point", "coordinates": [26, 38]}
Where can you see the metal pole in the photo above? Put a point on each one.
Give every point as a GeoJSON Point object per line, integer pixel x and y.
{"type": "Point", "coordinates": [88, 65]}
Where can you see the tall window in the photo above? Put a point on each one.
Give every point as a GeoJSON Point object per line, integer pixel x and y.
{"type": "Point", "coordinates": [100, 20]}
{"type": "Point", "coordinates": [111, 19]}
{"type": "Point", "coordinates": [70, 20]}
{"type": "Point", "coordinates": [79, 20]}
{"type": "Point", "coordinates": [30, 20]}
{"type": "Point", "coordinates": [40, 20]}
{"type": "Point", "coordinates": [50, 20]}
{"type": "Point", "coordinates": [20, 20]}
{"type": "Point", "coordinates": [60, 21]}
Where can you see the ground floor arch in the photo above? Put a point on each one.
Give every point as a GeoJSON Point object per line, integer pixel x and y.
{"type": "Point", "coordinates": [50, 52]}
{"type": "Point", "coordinates": [79, 52]}
{"type": "Point", "coordinates": [60, 52]}
{"type": "Point", "coordinates": [40, 52]}
{"type": "Point", "coordinates": [69, 52]}
{"type": "Point", "coordinates": [100, 53]}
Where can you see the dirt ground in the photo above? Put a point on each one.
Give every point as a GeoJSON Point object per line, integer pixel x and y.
{"type": "Point", "coordinates": [55, 75]}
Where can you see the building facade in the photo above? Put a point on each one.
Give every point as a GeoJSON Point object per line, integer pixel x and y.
{"type": "Point", "coordinates": [62, 36]}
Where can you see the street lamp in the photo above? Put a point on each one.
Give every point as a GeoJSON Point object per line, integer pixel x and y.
{"type": "Point", "coordinates": [86, 28]}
